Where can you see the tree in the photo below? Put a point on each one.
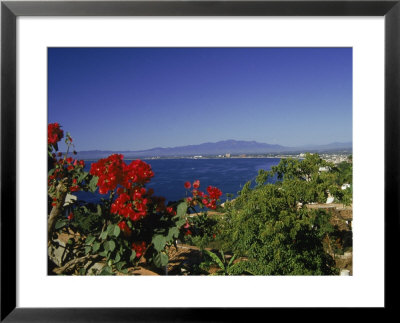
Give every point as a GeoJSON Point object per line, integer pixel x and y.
{"type": "Point", "coordinates": [271, 225]}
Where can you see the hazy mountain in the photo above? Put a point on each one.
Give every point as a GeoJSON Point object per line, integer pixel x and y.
{"type": "Point", "coordinates": [215, 148]}
{"type": "Point", "coordinates": [328, 147]}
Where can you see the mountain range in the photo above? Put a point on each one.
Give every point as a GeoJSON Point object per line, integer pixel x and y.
{"type": "Point", "coordinates": [233, 147]}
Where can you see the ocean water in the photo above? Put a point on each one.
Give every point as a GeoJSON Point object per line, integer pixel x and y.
{"type": "Point", "coordinates": [228, 174]}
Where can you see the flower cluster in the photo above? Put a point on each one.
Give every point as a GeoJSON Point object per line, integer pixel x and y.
{"type": "Point", "coordinates": [137, 172]}
{"type": "Point", "coordinates": [110, 172]}
{"type": "Point", "coordinates": [139, 248]}
{"type": "Point", "coordinates": [125, 228]}
{"type": "Point", "coordinates": [113, 171]}
{"type": "Point", "coordinates": [54, 133]}
{"type": "Point", "coordinates": [132, 200]}
{"type": "Point", "coordinates": [64, 167]}
{"type": "Point", "coordinates": [131, 203]}
{"type": "Point", "coordinates": [209, 201]}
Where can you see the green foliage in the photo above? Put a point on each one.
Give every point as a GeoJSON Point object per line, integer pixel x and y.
{"type": "Point", "coordinates": [203, 228]}
{"type": "Point", "coordinates": [87, 219]}
{"type": "Point", "coordinates": [345, 173]}
{"type": "Point", "coordinates": [225, 267]}
{"type": "Point", "coordinates": [115, 246]}
{"type": "Point", "coordinates": [271, 225]}
{"type": "Point", "coordinates": [347, 196]}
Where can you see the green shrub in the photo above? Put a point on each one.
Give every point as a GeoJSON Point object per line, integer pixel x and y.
{"type": "Point", "coordinates": [271, 225]}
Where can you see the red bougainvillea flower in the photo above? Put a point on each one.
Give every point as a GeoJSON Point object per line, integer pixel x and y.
{"type": "Point", "coordinates": [187, 225]}
{"type": "Point", "coordinates": [74, 186]}
{"type": "Point", "coordinates": [54, 133]}
{"type": "Point", "coordinates": [171, 211]}
{"type": "Point", "coordinates": [196, 184]}
{"type": "Point", "coordinates": [214, 192]}
{"type": "Point", "coordinates": [188, 233]}
{"type": "Point", "coordinates": [110, 172]}
{"type": "Point", "coordinates": [137, 172]}
{"type": "Point", "coordinates": [124, 228]}
{"type": "Point", "coordinates": [131, 204]}
{"type": "Point", "coordinates": [113, 171]}
{"type": "Point", "coordinates": [70, 216]}
{"type": "Point", "coordinates": [187, 185]}
{"type": "Point", "coordinates": [139, 247]}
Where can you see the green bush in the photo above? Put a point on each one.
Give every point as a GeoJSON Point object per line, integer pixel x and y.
{"type": "Point", "coordinates": [271, 225]}
{"type": "Point", "coordinates": [203, 229]}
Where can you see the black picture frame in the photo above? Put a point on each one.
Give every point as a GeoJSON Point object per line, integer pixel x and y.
{"type": "Point", "coordinates": [10, 10]}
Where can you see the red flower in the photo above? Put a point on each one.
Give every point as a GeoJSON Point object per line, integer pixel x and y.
{"type": "Point", "coordinates": [124, 228]}
{"type": "Point", "coordinates": [113, 171]}
{"type": "Point", "coordinates": [188, 233]}
{"type": "Point", "coordinates": [54, 133]}
{"type": "Point", "coordinates": [196, 184]}
{"type": "Point", "coordinates": [137, 172]}
{"type": "Point", "coordinates": [70, 216]}
{"type": "Point", "coordinates": [171, 211]}
{"type": "Point", "coordinates": [110, 172]}
{"type": "Point", "coordinates": [187, 185]}
{"type": "Point", "coordinates": [130, 205]}
{"type": "Point", "coordinates": [139, 247]}
{"type": "Point", "coordinates": [214, 192]}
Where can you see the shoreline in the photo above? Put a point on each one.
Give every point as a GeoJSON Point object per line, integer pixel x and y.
{"type": "Point", "coordinates": [192, 158]}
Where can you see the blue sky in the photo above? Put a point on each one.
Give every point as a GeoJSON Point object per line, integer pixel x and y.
{"type": "Point", "coordinates": [141, 98]}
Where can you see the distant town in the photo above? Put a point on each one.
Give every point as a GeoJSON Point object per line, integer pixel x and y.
{"type": "Point", "coordinates": [227, 149]}
{"type": "Point", "coordinates": [333, 157]}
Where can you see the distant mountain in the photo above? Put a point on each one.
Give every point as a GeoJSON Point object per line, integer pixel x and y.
{"type": "Point", "coordinates": [233, 147]}
{"type": "Point", "coordinates": [328, 147]}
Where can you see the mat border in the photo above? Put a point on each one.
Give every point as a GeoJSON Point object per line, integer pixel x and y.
{"type": "Point", "coordinates": [10, 10]}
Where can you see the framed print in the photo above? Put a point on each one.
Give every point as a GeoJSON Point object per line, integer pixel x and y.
{"type": "Point", "coordinates": [295, 93]}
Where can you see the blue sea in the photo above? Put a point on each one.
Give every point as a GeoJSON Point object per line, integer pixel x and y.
{"type": "Point", "coordinates": [228, 174]}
